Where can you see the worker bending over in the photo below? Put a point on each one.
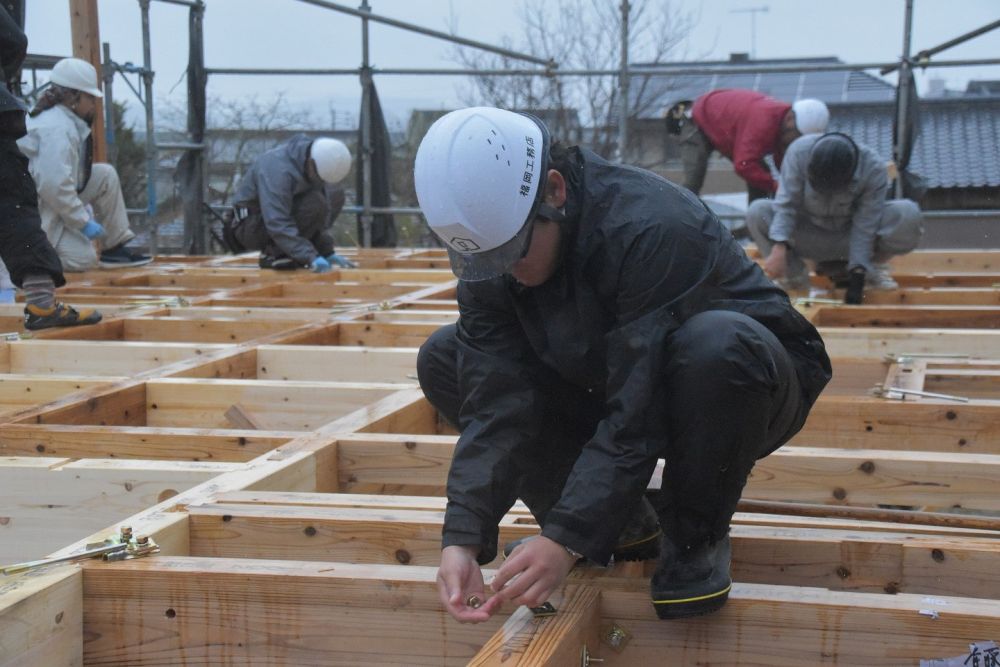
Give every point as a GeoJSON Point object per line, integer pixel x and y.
{"type": "Point", "coordinates": [831, 208]}
{"type": "Point", "coordinates": [606, 320]}
{"type": "Point", "coordinates": [745, 126]}
{"type": "Point", "coordinates": [283, 206]}
{"type": "Point", "coordinates": [80, 201]}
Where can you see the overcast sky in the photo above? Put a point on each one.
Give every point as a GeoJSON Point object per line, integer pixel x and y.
{"type": "Point", "coordinates": [289, 33]}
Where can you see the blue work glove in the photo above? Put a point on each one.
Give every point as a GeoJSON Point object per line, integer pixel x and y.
{"type": "Point", "coordinates": [341, 261]}
{"type": "Point", "coordinates": [93, 229]}
{"type": "Point", "coordinates": [320, 265]}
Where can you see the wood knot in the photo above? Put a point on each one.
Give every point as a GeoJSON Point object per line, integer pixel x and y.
{"type": "Point", "coordinates": [403, 556]}
{"type": "Point", "coordinates": [839, 493]}
{"type": "Point", "coordinates": [937, 555]}
{"type": "Point", "coordinates": [867, 467]}
{"type": "Point", "coordinates": [309, 531]}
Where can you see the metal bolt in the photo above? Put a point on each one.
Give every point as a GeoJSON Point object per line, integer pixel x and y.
{"type": "Point", "coordinates": [473, 601]}
{"type": "Point", "coordinates": [616, 636]}
{"type": "Point", "coordinates": [126, 533]}
{"type": "Point", "coordinates": [142, 539]}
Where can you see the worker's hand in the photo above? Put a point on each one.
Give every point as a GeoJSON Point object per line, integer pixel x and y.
{"type": "Point", "coordinates": [776, 263]}
{"type": "Point", "coordinates": [320, 265]}
{"type": "Point", "coordinates": [459, 578]}
{"type": "Point", "coordinates": [341, 261]}
{"type": "Point", "coordinates": [93, 229]}
{"type": "Point", "coordinates": [532, 572]}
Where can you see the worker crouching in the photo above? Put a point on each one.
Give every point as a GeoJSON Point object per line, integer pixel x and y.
{"type": "Point", "coordinates": [607, 320]}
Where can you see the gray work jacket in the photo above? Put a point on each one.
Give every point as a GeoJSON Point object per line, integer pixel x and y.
{"type": "Point", "coordinates": [271, 183]}
{"type": "Point", "coordinates": [856, 210]}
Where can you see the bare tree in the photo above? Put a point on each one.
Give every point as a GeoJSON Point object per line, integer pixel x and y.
{"type": "Point", "coordinates": [238, 131]}
{"type": "Point", "coordinates": [581, 34]}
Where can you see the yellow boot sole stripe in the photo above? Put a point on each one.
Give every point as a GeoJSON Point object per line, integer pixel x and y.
{"type": "Point", "coordinates": [696, 599]}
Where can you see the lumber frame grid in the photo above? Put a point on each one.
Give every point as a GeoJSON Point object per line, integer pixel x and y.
{"type": "Point", "coordinates": [267, 431]}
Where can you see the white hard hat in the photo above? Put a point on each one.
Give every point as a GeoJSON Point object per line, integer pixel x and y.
{"type": "Point", "coordinates": [333, 160]}
{"type": "Point", "coordinates": [811, 116]}
{"type": "Point", "coordinates": [480, 178]}
{"type": "Point", "coordinates": [76, 74]}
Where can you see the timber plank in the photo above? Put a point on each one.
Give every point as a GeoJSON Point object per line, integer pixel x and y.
{"type": "Point", "coordinates": [976, 317]}
{"type": "Point", "coordinates": [526, 639]}
{"type": "Point", "coordinates": [41, 619]}
{"type": "Point", "coordinates": [170, 610]}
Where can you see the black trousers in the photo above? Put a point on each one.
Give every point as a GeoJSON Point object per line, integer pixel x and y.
{"type": "Point", "coordinates": [729, 395]}
{"type": "Point", "coordinates": [24, 247]}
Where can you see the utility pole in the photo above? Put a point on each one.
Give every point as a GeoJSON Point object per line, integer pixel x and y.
{"type": "Point", "coordinates": [752, 11]}
{"type": "Point", "coordinates": [86, 35]}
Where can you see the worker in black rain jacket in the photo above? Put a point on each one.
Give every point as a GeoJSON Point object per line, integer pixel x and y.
{"type": "Point", "coordinates": [607, 320]}
{"type": "Point", "coordinates": [286, 202]}
{"type": "Point", "coordinates": [33, 263]}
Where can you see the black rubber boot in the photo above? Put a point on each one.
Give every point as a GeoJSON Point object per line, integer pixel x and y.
{"type": "Point", "coordinates": [693, 581]}
{"type": "Point", "coordinates": [639, 540]}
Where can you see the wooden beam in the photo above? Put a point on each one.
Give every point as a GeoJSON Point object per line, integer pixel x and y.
{"type": "Point", "coordinates": [86, 34]}
{"type": "Point", "coordinates": [266, 613]}
{"type": "Point", "coordinates": [49, 502]}
{"type": "Point", "coordinates": [99, 358]}
{"type": "Point", "coordinates": [277, 405]}
{"type": "Point", "coordinates": [878, 342]}
{"type": "Point", "coordinates": [365, 529]}
{"type": "Point", "coordinates": [926, 425]}
{"type": "Point", "coordinates": [955, 317]}
{"type": "Point", "coordinates": [288, 612]}
{"type": "Point", "coordinates": [137, 442]}
{"type": "Point", "coordinates": [41, 619]}
{"type": "Point", "coordinates": [341, 364]}
{"type": "Point", "coordinates": [527, 640]}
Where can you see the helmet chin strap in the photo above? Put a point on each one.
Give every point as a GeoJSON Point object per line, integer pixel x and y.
{"type": "Point", "coordinates": [550, 213]}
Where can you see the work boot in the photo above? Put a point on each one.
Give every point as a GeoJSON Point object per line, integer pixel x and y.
{"type": "Point", "coordinates": [267, 261]}
{"type": "Point", "coordinates": [691, 582]}
{"type": "Point", "coordinates": [121, 257]}
{"type": "Point", "coordinates": [59, 315]}
{"type": "Point", "coordinates": [639, 540]}
{"type": "Point", "coordinates": [880, 278]}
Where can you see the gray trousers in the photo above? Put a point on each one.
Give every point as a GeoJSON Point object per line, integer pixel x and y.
{"type": "Point", "coordinates": [899, 232]}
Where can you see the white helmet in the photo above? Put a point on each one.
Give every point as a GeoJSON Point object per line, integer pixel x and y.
{"type": "Point", "coordinates": [332, 159]}
{"type": "Point", "coordinates": [76, 74]}
{"type": "Point", "coordinates": [811, 116]}
{"type": "Point", "coordinates": [480, 177]}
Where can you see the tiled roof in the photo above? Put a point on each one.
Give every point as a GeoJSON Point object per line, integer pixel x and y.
{"type": "Point", "coordinates": [959, 137]}
{"type": "Point", "coordinates": [829, 86]}
{"type": "Point", "coordinates": [958, 145]}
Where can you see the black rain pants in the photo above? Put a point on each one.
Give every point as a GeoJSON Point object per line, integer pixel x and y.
{"type": "Point", "coordinates": [729, 396]}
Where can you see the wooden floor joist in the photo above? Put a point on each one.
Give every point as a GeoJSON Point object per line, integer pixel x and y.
{"type": "Point", "coordinates": [266, 430]}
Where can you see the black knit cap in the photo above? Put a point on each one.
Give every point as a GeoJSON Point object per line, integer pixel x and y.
{"type": "Point", "coordinates": [832, 162]}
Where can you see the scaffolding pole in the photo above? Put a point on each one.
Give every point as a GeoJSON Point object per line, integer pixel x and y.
{"type": "Point", "coordinates": [623, 83]}
{"type": "Point", "coordinates": [192, 175]}
{"type": "Point", "coordinates": [903, 95]}
{"type": "Point", "coordinates": [151, 156]}
{"type": "Point", "coordinates": [366, 131]}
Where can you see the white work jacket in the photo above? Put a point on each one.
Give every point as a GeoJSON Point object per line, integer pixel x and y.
{"type": "Point", "coordinates": [55, 147]}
